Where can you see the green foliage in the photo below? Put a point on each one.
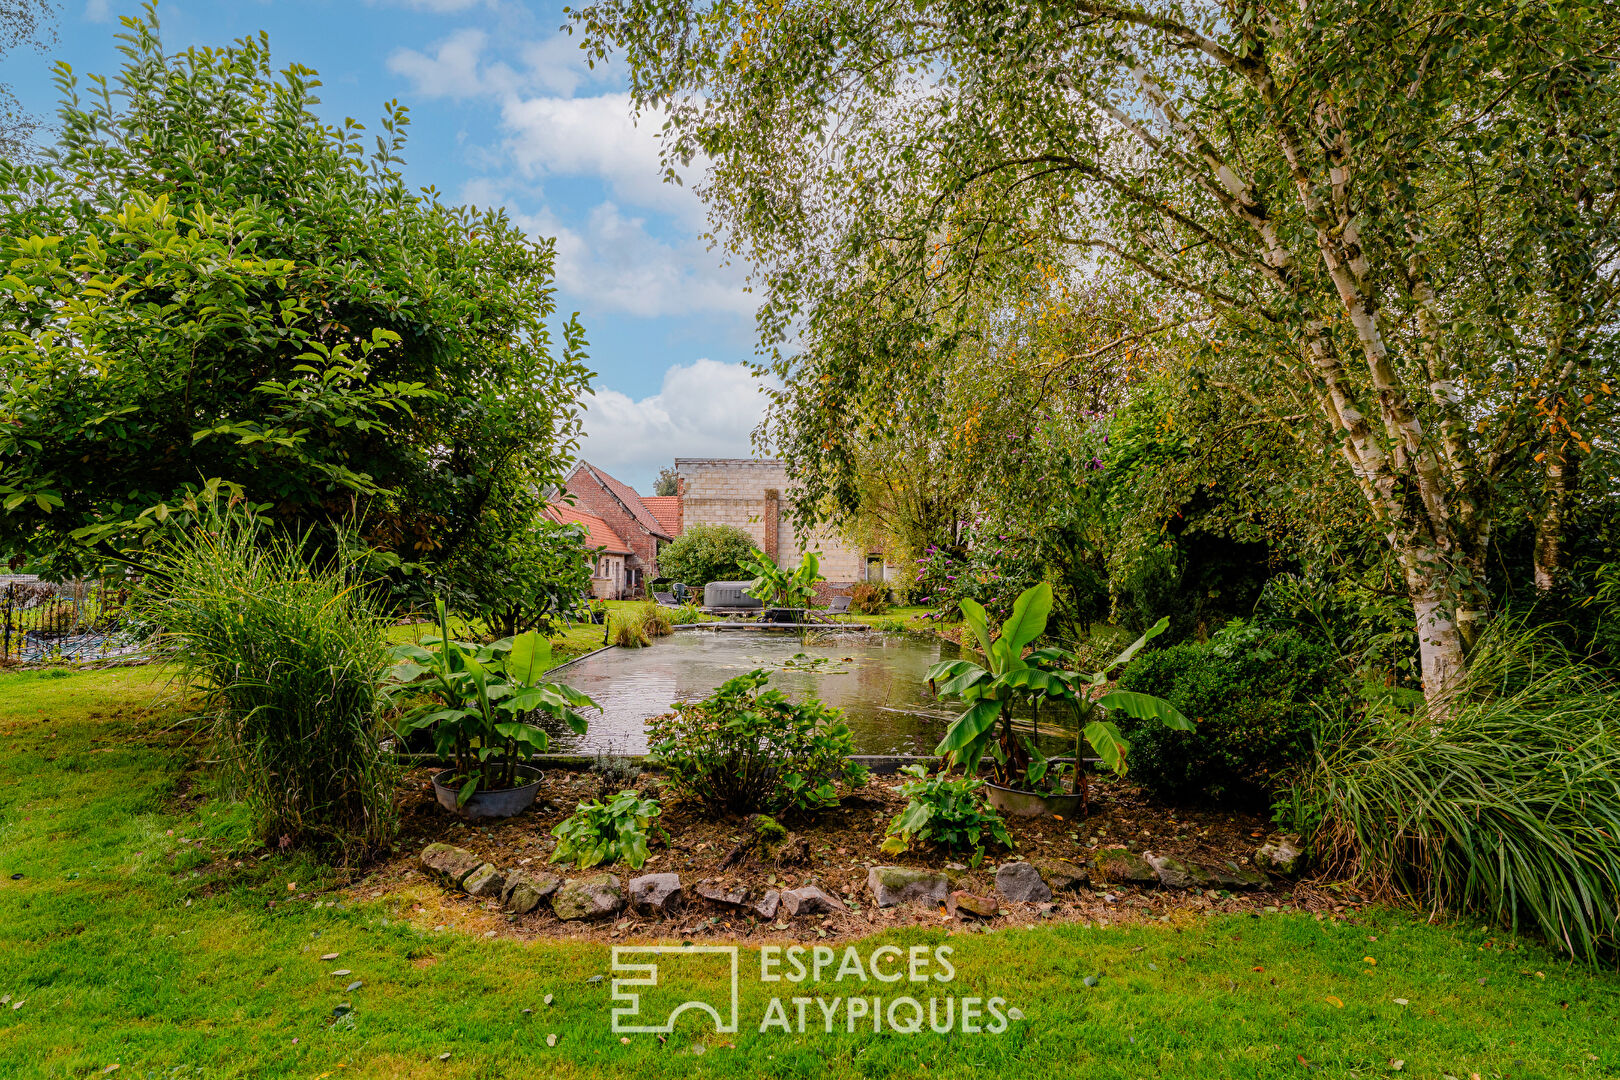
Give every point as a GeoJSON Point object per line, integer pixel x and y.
{"type": "Point", "coordinates": [287, 655]}
{"type": "Point", "coordinates": [604, 833]}
{"type": "Point", "coordinates": [1507, 806]}
{"type": "Point", "coordinates": [483, 703]}
{"type": "Point", "coordinates": [520, 570]}
{"type": "Point", "coordinates": [686, 615]}
{"type": "Point", "coordinates": [705, 553]}
{"type": "Point", "coordinates": [628, 631]}
{"type": "Point", "coordinates": [776, 587]}
{"type": "Point", "coordinates": [1253, 694]}
{"type": "Point", "coordinates": [945, 810]}
{"type": "Point", "coordinates": [745, 749]}
{"type": "Point", "coordinates": [667, 483]}
{"type": "Point", "coordinates": [769, 832]}
{"type": "Point", "coordinates": [991, 692]}
{"type": "Point", "coordinates": [208, 285]}
{"type": "Point", "coordinates": [656, 620]}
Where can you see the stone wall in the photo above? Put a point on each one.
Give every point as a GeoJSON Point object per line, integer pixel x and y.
{"type": "Point", "coordinates": [752, 494]}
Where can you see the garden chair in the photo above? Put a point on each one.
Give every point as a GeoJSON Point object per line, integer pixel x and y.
{"type": "Point", "coordinates": [665, 599]}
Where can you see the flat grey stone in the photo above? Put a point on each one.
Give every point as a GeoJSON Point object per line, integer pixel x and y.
{"type": "Point", "coordinates": [588, 898]}
{"type": "Point", "coordinates": [448, 863]}
{"type": "Point", "coordinates": [655, 892]}
{"type": "Point", "coordinates": [810, 900]}
{"type": "Point", "coordinates": [484, 881]}
{"type": "Point", "coordinates": [1021, 883]}
{"type": "Point", "coordinates": [1123, 867]}
{"type": "Point", "coordinates": [1280, 857]}
{"type": "Point", "coordinates": [1227, 877]}
{"type": "Point", "coordinates": [1061, 875]}
{"type": "Point", "coordinates": [766, 905]}
{"type": "Point", "coordinates": [524, 891]}
{"type": "Point", "coordinates": [893, 885]}
{"type": "Point", "coordinates": [729, 895]}
{"type": "Point", "coordinates": [1175, 874]}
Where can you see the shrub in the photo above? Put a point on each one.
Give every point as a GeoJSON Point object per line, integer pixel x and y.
{"type": "Point", "coordinates": [686, 615]}
{"type": "Point", "coordinates": [869, 599]}
{"type": "Point", "coordinates": [288, 659]}
{"type": "Point", "coordinates": [705, 553]}
{"type": "Point", "coordinates": [945, 810]}
{"type": "Point", "coordinates": [1506, 805]}
{"type": "Point", "coordinates": [1251, 699]}
{"type": "Point", "coordinates": [597, 833]}
{"type": "Point", "coordinates": [744, 749]}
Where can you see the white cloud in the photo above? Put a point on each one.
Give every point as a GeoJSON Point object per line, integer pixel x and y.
{"type": "Point", "coordinates": [558, 64]}
{"type": "Point", "coordinates": [454, 70]}
{"type": "Point", "coordinates": [437, 7]}
{"type": "Point", "coordinates": [594, 136]}
{"type": "Point", "coordinates": [98, 10]}
{"type": "Point", "coordinates": [621, 266]}
{"type": "Point", "coordinates": [703, 409]}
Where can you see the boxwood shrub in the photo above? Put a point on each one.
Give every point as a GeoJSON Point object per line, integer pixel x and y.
{"type": "Point", "coordinates": [1250, 695]}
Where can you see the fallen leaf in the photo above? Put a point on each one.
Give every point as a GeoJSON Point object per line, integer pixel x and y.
{"type": "Point", "coordinates": [1368, 960]}
{"type": "Point", "coordinates": [330, 956]}
{"type": "Point", "coordinates": [548, 999]}
{"type": "Point", "coordinates": [551, 1040]}
{"type": "Point", "coordinates": [1397, 1064]}
{"type": "Point", "coordinates": [1335, 1002]}
{"type": "Point", "coordinates": [1402, 1001]}
{"type": "Point", "coordinates": [341, 971]}
{"type": "Point", "coordinates": [625, 1039]}
{"type": "Point", "coordinates": [292, 886]}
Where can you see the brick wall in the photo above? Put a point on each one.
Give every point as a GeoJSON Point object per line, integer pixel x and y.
{"type": "Point", "coordinates": [749, 493]}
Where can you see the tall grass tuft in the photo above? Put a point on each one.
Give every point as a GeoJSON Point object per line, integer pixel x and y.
{"type": "Point", "coordinates": [1506, 806]}
{"type": "Point", "coordinates": [288, 657]}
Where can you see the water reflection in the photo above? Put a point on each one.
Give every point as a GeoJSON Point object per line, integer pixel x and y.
{"type": "Point", "coordinates": [877, 679]}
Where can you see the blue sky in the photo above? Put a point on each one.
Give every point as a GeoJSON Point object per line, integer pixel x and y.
{"type": "Point", "coordinates": [505, 112]}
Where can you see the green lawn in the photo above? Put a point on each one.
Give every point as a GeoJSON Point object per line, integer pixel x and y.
{"type": "Point", "coordinates": [126, 943]}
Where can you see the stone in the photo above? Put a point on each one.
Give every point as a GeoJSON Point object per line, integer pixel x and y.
{"type": "Point", "coordinates": [1228, 877]}
{"type": "Point", "coordinates": [588, 898]}
{"type": "Point", "coordinates": [766, 905]}
{"type": "Point", "coordinates": [893, 885]}
{"type": "Point", "coordinates": [1061, 875]}
{"type": "Point", "coordinates": [484, 881]}
{"type": "Point", "coordinates": [655, 892]}
{"type": "Point", "coordinates": [963, 904]}
{"type": "Point", "coordinates": [810, 900]}
{"type": "Point", "coordinates": [448, 863]}
{"type": "Point", "coordinates": [524, 891]}
{"type": "Point", "coordinates": [729, 895]}
{"type": "Point", "coordinates": [1021, 883]}
{"type": "Point", "coordinates": [1123, 867]}
{"type": "Point", "coordinates": [1280, 857]}
{"type": "Point", "coordinates": [1175, 874]}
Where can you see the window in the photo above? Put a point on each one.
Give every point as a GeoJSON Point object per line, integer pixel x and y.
{"type": "Point", "coordinates": [874, 569]}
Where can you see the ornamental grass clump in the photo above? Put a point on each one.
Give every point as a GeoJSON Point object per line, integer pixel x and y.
{"type": "Point", "coordinates": [1505, 805]}
{"type": "Point", "coordinates": [287, 655]}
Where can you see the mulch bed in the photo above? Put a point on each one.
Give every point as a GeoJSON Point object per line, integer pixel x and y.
{"type": "Point", "coordinates": [834, 851]}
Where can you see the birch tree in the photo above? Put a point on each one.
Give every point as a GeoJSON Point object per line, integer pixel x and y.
{"type": "Point", "coordinates": [1403, 211]}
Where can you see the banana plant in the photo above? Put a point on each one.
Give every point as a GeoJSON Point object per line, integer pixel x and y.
{"type": "Point", "coordinates": [1006, 677]}
{"type": "Point", "coordinates": [482, 702]}
{"type": "Point", "coordinates": [783, 588]}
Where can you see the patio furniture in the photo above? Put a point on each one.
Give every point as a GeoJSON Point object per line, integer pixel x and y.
{"type": "Point", "coordinates": [839, 606]}
{"type": "Point", "coordinates": [665, 599]}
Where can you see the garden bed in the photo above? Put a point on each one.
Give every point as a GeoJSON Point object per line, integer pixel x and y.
{"type": "Point", "coordinates": [834, 851]}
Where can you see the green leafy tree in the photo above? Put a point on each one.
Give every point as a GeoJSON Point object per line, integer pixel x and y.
{"type": "Point", "coordinates": [207, 287]}
{"type": "Point", "coordinates": [667, 483]}
{"type": "Point", "coordinates": [1390, 230]}
{"type": "Point", "coordinates": [705, 553]}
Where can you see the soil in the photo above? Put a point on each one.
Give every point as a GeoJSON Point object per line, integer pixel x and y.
{"type": "Point", "coordinates": [833, 850]}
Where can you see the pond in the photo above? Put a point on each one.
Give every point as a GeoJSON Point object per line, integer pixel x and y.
{"type": "Point", "coordinates": [877, 679]}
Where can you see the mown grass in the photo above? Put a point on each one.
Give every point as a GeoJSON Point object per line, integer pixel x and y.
{"type": "Point", "coordinates": [130, 945]}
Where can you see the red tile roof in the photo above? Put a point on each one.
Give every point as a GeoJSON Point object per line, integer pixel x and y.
{"type": "Point", "coordinates": [667, 509]}
{"type": "Point", "coordinates": [630, 499]}
{"type": "Point", "coordinates": [597, 532]}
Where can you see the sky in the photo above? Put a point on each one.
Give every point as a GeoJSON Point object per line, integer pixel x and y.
{"type": "Point", "coordinates": [505, 111]}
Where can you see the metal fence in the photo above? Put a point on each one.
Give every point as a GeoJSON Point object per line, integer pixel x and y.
{"type": "Point", "coordinates": [76, 621]}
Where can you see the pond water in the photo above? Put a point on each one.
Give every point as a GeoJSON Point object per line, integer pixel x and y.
{"type": "Point", "coordinates": [877, 679]}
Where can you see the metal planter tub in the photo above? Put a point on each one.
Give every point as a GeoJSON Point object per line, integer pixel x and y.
{"type": "Point", "coordinates": [502, 803]}
{"type": "Point", "coordinates": [1031, 804]}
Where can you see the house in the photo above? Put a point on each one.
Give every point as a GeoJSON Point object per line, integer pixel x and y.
{"type": "Point", "coordinates": [750, 494]}
{"type": "Point", "coordinates": [607, 569]}
{"type": "Point", "coordinates": [627, 530]}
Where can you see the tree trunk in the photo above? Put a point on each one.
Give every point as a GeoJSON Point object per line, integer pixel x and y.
{"type": "Point", "coordinates": [1549, 553]}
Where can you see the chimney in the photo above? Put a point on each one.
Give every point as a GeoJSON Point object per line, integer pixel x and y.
{"type": "Point", "coordinates": [772, 513]}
